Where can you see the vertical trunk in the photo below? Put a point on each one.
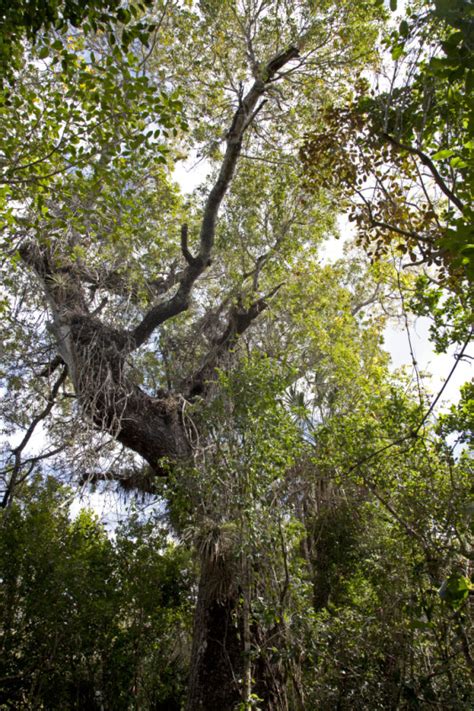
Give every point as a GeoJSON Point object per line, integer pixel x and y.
{"type": "Point", "coordinates": [217, 658]}
{"type": "Point", "coordinates": [222, 675]}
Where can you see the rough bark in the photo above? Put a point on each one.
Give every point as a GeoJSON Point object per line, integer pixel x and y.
{"type": "Point", "coordinates": [217, 660]}
{"type": "Point", "coordinates": [271, 683]}
{"type": "Point", "coordinates": [151, 426]}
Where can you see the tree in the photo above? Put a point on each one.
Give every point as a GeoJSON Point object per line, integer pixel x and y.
{"type": "Point", "coordinates": [181, 329]}
{"type": "Point", "coordinates": [26, 19]}
{"type": "Point", "coordinates": [399, 154]}
{"type": "Point", "coordinates": [410, 142]}
{"type": "Point", "coordinates": [85, 619]}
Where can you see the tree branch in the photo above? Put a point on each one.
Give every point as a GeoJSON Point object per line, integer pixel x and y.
{"type": "Point", "coordinates": [431, 167]}
{"type": "Point", "coordinates": [240, 319]}
{"type": "Point", "coordinates": [184, 246]}
{"type": "Point", "coordinates": [17, 451]}
{"type": "Point", "coordinates": [243, 116]}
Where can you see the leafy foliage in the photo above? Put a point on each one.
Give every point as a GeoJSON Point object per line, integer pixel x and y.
{"type": "Point", "coordinates": [26, 19]}
{"type": "Point", "coordinates": [403, 157]}
{"type": "Point", "coordinates": [197, 348]}
{"type": "Point", "coordinates": [86, 619]}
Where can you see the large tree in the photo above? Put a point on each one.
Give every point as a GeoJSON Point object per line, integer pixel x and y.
{"type": "Point", "coordinates": [173, 328]}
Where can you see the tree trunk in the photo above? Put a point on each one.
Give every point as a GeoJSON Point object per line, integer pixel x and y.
{"type": "Point", "coordinates": [96, 358]}
{"type": "Point", "coordinates": [270, 674]}
{"type": "Point", "coordinates": [217, 658]}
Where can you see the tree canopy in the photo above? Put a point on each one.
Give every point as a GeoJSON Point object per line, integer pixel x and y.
{"type": "Point", "coordinates": [312, 544]}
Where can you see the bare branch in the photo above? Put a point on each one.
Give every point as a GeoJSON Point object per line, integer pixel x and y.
{"type": "Point", "coordinates": [184, 246]}
{"type": "Point", "coordinates": [53, 365]}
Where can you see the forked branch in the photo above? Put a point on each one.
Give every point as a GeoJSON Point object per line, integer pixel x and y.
{"type": "Point", "coordinates": [243, 117]}
{"type": "Point", "coordinates": [239, 320]}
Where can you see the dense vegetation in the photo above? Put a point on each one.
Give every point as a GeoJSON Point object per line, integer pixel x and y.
{"type": "Point", "coordinates": [308, 543]}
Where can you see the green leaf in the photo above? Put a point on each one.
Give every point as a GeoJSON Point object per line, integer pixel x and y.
{"type": "Point", "coordinates": [441, 155]}
{"type": "Point", "coordinates": [403, 29]}
{"type": "Point", "coordinates": [397, 52]}
{"type": "Point", "coordinates": [421, 625]}
{"type": "Point", "coordinates": [455, 590]}
{"type": "Point", "coordinates": [457, 162]}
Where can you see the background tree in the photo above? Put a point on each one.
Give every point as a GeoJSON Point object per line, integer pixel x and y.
{"type": "Point", "coordinates": [404, 148]}
{"type": "Point", "coordinates": [88, 622]}
{"type": "Point", "coordinates": [400, 154]}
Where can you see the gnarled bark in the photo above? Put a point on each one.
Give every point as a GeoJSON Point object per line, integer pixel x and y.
{"type": "Point", "coordinates": [217, 658]}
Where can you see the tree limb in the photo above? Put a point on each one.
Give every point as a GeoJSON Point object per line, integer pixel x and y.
{"type": "Point", "coordinates": [431, 167]}
{"type": "Point", "coordinates": [240, 319]}
{"type": "Point", "coordinates": [243, 116]}
{"type": "Point", "coordinates": [184, 246]}
{"type": "Point", "coordinates": [17, 451]}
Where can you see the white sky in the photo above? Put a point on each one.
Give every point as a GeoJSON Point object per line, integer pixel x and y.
{"type": "Point", "coordinates": [190, 173]}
